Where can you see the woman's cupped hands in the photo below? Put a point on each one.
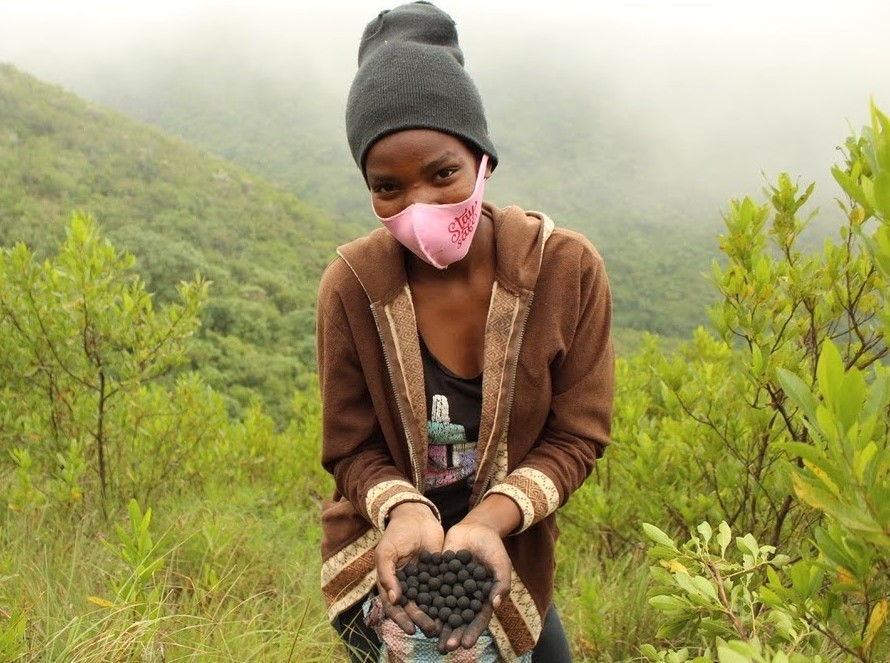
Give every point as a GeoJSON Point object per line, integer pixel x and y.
{"type": "Point", "coordinates": [411, 530]}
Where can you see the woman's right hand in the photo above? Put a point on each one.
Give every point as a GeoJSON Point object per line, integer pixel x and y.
{"type": "Point", "coordinates": [412, 528]}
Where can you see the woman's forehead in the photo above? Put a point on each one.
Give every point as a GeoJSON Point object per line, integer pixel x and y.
{"type": "Point", "coordinates": [414, 145]}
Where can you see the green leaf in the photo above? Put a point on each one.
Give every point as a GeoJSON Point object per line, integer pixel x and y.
{"type": "Point", "coordinates": [848, 402]}
{"type": "Point", "coordinates": [672, 628]}
{"type": "Point", "coordinates": [727, 655]}
{"type": "Point", "coordinates": [798, 391]}
{"type": "Point", "coordinates": [658, 536]}
{"type": "Point", "coordinates": [834, 551]}
{"type": "Point", "coordinates": [668, 603]}
{"type": "Point", "coordinates": [878, 398]}
{"type": "Point", "coordinates": [704, 586]}
{"type": "Point", "coordinates": [813, 494]}
{"type": "Point", "coordinates": [830, 372]}
{"type": "Point", "coordinates": [863, 459]}
{"type": "Point", "coordinates": [849, 185]}
{"type": "Point", "coordinates": [848, 514]}
{"type": "Point", "coordinates": [704, 529]}
{"type": "Point", "coordinates": [724, 537]}
{"type": "Point", "coordinates": [882, 194]}
{"type": "Point", "coordinates": [748, 544]}
{"type": "Point", "coordinates": [823, 472]}
{"type": "Point", "coordinates": [875, 622]}
{"type": "Point", "coordinates": [649, 652]}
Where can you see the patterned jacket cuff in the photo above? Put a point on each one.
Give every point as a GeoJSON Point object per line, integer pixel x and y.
{"type": "Point", "coordinates": [534, 493]}
{"type": "Point", "coordinates": [387, 495]}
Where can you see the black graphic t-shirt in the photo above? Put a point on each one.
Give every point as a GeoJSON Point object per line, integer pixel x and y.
{"type": "Point", "coordinates": [454, 405]}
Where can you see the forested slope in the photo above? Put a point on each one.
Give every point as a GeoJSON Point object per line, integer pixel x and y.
{"type": "Point", "coordinates": [563, 148]}
{"type": "Point", "coordinates": [179, 210]}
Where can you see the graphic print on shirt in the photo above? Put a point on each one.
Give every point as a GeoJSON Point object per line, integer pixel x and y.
{"type": "Point", "coordinates": [452, 457]}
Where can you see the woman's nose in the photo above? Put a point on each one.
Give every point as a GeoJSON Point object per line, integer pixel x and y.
{"type": "Point", "coordinates": [422, 194]}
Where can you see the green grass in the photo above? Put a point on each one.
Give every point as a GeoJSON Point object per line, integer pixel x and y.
{"type": "Point", "coordinates": [239, 582]}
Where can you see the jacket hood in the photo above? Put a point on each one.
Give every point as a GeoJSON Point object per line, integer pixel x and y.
{"type": "Point", "coordinates": [519, 244]}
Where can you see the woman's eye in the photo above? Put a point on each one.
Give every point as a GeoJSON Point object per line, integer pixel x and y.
{"type": "Point", "coordinates": [385, 187]}
{"type": "Point", "coordinates": [445, 173]}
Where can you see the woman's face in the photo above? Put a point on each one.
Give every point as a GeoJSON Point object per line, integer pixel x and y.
{"type": "Point", "coordinates": [419, 166]}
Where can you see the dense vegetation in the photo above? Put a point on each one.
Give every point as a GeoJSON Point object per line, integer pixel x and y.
{"type": "Point", "coordinates": [181, 211]}
{"type": "Point", "coordinates": [742, 514]}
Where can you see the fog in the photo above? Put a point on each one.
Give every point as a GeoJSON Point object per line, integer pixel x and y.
{"type": "Point", "coordinates": [722, 94]}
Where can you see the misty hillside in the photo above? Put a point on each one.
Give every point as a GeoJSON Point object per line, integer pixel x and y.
{"type": "Point", "coordinates": [178, 209]}
{"type": "Point", "coordinates": [563, 149]}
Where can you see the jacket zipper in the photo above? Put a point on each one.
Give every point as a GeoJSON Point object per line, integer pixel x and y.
{"type": "Point", "coordinates": [487, 484]}
{"type": "Point", "coordinates": [392, 379]}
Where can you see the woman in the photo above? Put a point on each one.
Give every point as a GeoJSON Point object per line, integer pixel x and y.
{"type": "Point", "coordinates": [464, 356]}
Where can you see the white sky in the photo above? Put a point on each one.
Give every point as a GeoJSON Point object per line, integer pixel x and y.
{"type": "Point", "coordinates": [747, 85]}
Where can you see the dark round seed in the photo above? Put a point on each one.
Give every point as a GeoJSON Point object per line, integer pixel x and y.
{"type": "Point", "coordinates": [470, 585]}
{"type": "Point", "coordinates": [475, 605]}
{"type": "Point", "coordinates": [486, 587]}
{"type": "Point", "coordinates": [479, 595]}
{"type": "Point", "coordinates": [464, 556]}
{"type": "Point", "coordinates": [412, 581]}
{"type": "Point", "coordinates": [436, 558]}
{"type": "Point", "coordinates": [422, 588]}
{"type": "Point", "coordinates": [468, 615]}
{"type": "Point", "coordinates": [463, 602]}
{"type": "Point", "coordinates": [449, 578]}
{"type": "Point", "coordinates": [411, 593]}
{"type": "Point", "coordinates": [479, 573]}
{"type": "Point", "coordinates": [447, 556]}
{"type": "Point", "coordinates": [400, 574]}
{"type": "Point", "coordinates": [434, 583]}
{"type": "Point", "coordinates": [445, 590]}
{"type": "Point", "coordinates": [451, 601]}
{"type": "Point", "coordinates": [443, 566]}
{"type": "Point", "coordinates": [470, 567]}
{"type": "Point", "coordinates": [423, 599]}
{"type": "Point", "coordinates": [425, 556]}
{"type": "Point", "coordinates": [439, 601]}
{"type": "Point", "coordinates": [444, 613]}
{"type": "Point", "coordinates": [455, 620]}
{"type": "Point", "coordinates": [458, 591]}
{"type": "Point", "coordinates": [403, 586]}
{"type": "Point", "coordinates": [411, 570]}
{"type": "Point", "coordinates": [433, 611]}
{"type": "Point", "coordinates": [403, 600]}
{"type": "Point", "coordinates": [455, 565]}
{"type": "Point", "coordinates": [462, 575]}
{"type": "Point", "coordinates": [423, 577]}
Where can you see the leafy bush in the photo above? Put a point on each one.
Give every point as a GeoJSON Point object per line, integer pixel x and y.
{"type": "Point", "coordinates": [92, 409]}
{"type": "Point", "coordinates": [823, 376]}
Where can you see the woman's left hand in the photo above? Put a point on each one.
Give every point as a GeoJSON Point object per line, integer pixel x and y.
{"type": "Point", "coordinates": [483, 539]}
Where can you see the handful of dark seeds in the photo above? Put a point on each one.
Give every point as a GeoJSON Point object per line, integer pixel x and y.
{"type": "Point", "coordinates": [448, 586]}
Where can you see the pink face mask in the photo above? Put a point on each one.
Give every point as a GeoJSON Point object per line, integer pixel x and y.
{"type": "Point", "coordinates": [439, 234]}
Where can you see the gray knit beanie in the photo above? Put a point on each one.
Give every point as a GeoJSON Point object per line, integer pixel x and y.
{"type": "Point", "coordinates": [411, 76]}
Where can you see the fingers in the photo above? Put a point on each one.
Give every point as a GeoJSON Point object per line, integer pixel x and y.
{"type": "Point", "coordinates": [467, 635]}
{"type": "Point", "coordinates": [409, 616]}
{"type": "Point", "coordinates": [388, 587]}
{"type": "Point", "coordinates": [426, 623]}
{"type": "Point", "coordinates": [398, 614]}
{"type": "Point", "coordinates": [499, 591]}
{"type": "Point", "coordinates": [448, 643]}
{"type": "Point", "coordinates": [386, 557]}
{"type": "Point", "coordinates": [475, 628]}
